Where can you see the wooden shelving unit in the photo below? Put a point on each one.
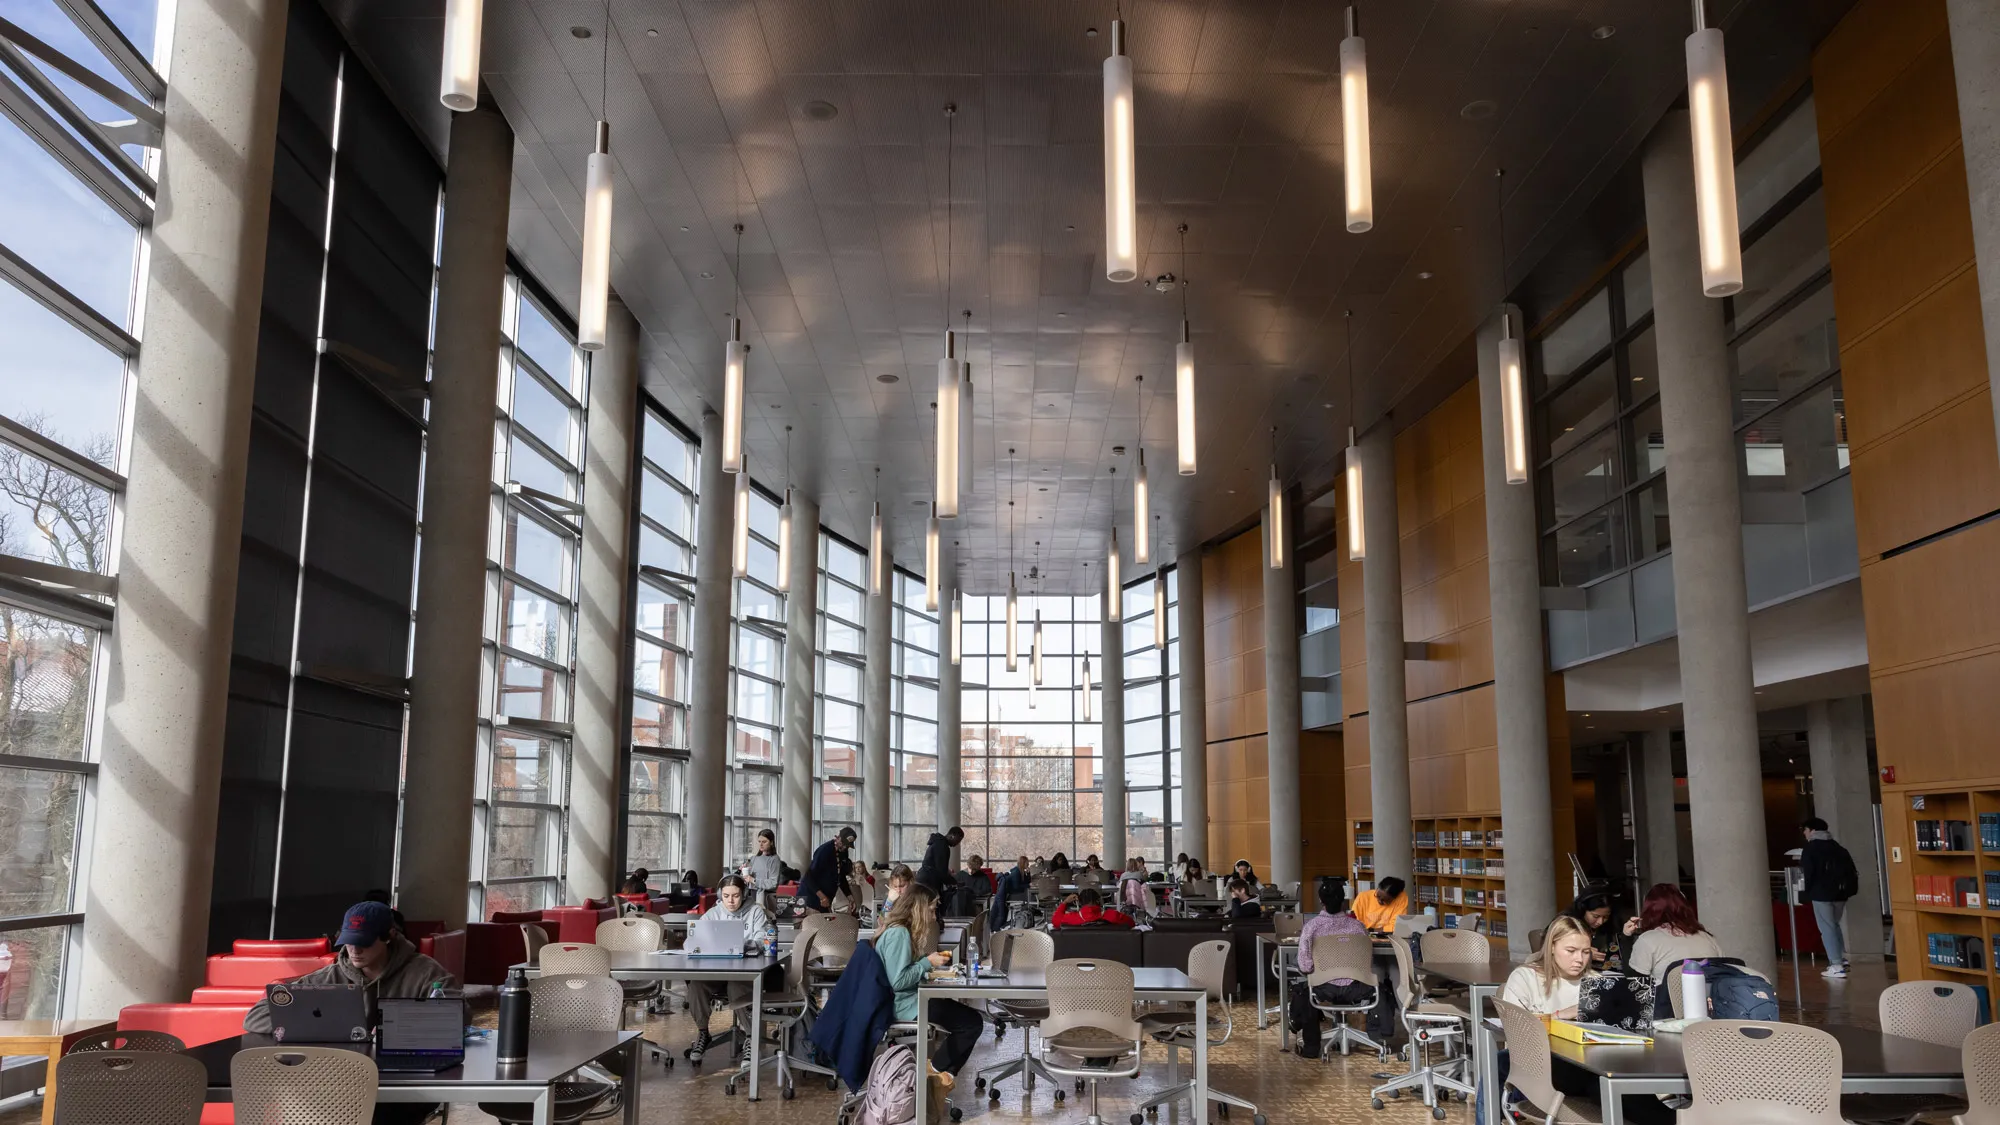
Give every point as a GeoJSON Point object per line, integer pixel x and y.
{"type": "Point", "coordinates": [1461, 866]}
{"type": "Point", "coordinates": [1952, 862]}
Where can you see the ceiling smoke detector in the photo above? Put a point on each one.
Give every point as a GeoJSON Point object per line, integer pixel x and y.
{"type": "Point", "coordinates": [1165, 283]}
{"type": "Point", "coordinates": [820, 110]}
{"type": "Point", "coordinates": [580, 32]}
{"type": "Point", "coordinates": [1118, 451]}
{"type": "Point", "coordinates": [886, 378]}
{"type": "Point", "coordinates": [1479, 110]}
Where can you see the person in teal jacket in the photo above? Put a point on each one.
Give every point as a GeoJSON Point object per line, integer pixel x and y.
{"type": "Point", "coordinates": [912, 925]}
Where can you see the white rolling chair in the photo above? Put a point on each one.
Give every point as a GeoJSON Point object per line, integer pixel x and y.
{"type": "Point", "coordinates": [1025, 949]}
{"type": "Point", "coordinates": [1174, 1028]}
{"type": "Point", "coordinates": [1090, 1033]}
{"type": "Point", "coordinates": [787, 1010]}
{"type": "Point", "coordinates": [1429, 1025]}
{"type": "Point", "coordinates": [1343, 957]}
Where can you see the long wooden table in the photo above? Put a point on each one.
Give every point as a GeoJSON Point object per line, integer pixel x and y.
{"type": "Point", "coordinates": [49, 1038]}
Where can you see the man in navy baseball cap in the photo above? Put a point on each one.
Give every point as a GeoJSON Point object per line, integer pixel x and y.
{"type": "Point", "coordinates": [373, 955]}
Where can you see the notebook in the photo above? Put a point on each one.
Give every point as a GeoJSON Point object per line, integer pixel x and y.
{"type": "Point", "coordinates": [1596, 1034]}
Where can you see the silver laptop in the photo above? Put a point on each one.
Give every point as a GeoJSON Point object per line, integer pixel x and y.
{"type": "Point", "coordinates": [715, 937]}
{"type": "Point", "coordinates": [317, 1013]}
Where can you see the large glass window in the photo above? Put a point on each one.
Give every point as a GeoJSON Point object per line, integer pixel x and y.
{"type": "Point", "coordinates": [74, 215]}
{"type": "Point", "coordinates": [534, 536]}
{"type": "Point", "coordinates": [913, 731]}
{"type": "Point", "coordinates": [837, 688]}
{"type": "Point", "coordinates": [1152, 723]}
{"type": "Point", "coordinates": [756, 712]}
{"type": "Point", "coordinates": [663, 609]}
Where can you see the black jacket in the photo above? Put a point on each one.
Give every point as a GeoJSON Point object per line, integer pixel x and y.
{"type": "Point", "coordinates": [1828, 871]}
{"type": "Point", "coordinates": [826, 874]}
{"type": "Point", "coordinates": [935, 871]}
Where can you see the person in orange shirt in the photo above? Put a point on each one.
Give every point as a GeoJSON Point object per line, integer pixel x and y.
{"type": "Point", "coordinates": [1378, 909]}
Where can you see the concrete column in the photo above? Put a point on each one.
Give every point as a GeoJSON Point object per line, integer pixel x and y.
{"type": "Point", "coordinates": [442, 774]}
{"type": "Point", "coordinates": [603, 657]}
{"type": "Point", "coordinates": [1111, 716]}
{"type": "Point", "coordinates": [1655, 826]}
{"type": "Point", "coordinates": [1843, 796]}
{"type": "Point", "coordinates": [1282, 717]}
{"type": "Point", "coordinates": [1388, 704]}
{"type": "Point", "coordinates": [877, 784]}
{"type": "Point", "coordinates": [950, 712]}
{"type": "Point", "coordinates": [157, 790]}
{"type": "Point", "coordinates": [1194, 712]}
{"type": "Point", "coordinates": [795, 802]}
{"type": "Point", "coordinates": [1975, 58]}
{"type": "Point", "coordinates": [1520, 666]}
{"type": "Point", "coordinates": [708, 719]}
{"type": "Point", "coordinates": [1725, 785]}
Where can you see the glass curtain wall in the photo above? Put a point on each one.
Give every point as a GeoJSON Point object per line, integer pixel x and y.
{"type": "Point", "coordinates": [75, 204]}
{"type": "Point", "coordinates": [529, 658]}
{"type": "Point", "coordinates": [1152, 722]}
{"type": "Point", "coordinates": [656, 780]}
{"type": "Point", "coordinates": [913, 731]}
{"type": "Point", "coordinates": [756, 710]}
{"type": "Point", "coordinates": [843, 604]}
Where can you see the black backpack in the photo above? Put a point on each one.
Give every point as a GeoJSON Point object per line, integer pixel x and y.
{"type": "Point", "coordinates": [1841, 874]}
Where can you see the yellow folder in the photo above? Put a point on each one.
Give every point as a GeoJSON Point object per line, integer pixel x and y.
{"type": "Point", "coordinates": [1597, 1034]}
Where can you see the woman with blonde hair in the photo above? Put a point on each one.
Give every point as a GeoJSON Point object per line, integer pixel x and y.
{"type": "Point", "coordinates": [912, 925]}
{"type": "Point", "coordinates": [1549, 983]}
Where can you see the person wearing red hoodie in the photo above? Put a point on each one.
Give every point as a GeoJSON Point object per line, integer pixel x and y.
{"type": "Point", "coordinates": [1091, 911]}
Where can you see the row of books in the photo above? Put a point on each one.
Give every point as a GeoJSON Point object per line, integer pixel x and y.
{"type": "Point", "coordinates": [1364, 839]}
{"type": "Point", "coordinates": [1944, 836]}
{"type": "Point", "coordinates": [1958, 890]}
{"type": "Point", "coordinates": [1957, 951]}
{"type": "Point", "coordinates": [1989, 831]}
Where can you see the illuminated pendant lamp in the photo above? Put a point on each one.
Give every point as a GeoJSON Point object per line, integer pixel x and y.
{"type": "Point", "coordinates": [458, 87]}
{"type": "Point", "coordinates": [1142, 539]}
{"type": "Point", "coordinates": [875, 558]}
{"type": "Point", "coordinates": [595, 294]}
{"type": "Point", "coordinates": [965, 410]}
{"type": "Point", "coordinates": [957, 627]}
{"type": "Point", "coordinates": [944, 504]}
{"type": "Point", "coordinates": [1013, 626]}
{"type": "Point", "coordinates": [785, 522]}
{"type": "Point", "coordinates": [739, 547]}
{"type": "Point", "coordinates": [1275, 498]}
{"type": "Point", "coordinates": [931, 571]}
{"type": "Point", "coordinates": [1114, 610]}
{"type": "Point", "coordinates": [1086, 687]}
{"type": "Point", "coordinates": [1160, 611]}
{"type": "Point", "coordinates": [735, 356]}
{"type": "Point", "coordinates": [1507, 353]}
{"type": "Point", "coordinates": [1355, 154]}
{"type": "Point", "coordinates": [1035, 659]}
{"type": "Point", "coordinates": [1714, 159]}
{"type": "Point", "coordinates": [1184, 428]}
{"type": "Point", "coordinates": [1357, 537]}
{"type": "Point", "coordinates": [1121, 213]}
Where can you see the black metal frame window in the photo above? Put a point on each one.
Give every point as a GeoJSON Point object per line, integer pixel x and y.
{"type": "Point", "coordinates": [1152, 722]}
{"type": "Point", "coordinates": [529, 656]}
{"type": "Point", "coordinates": [656, 776]}
{"type": "Point", "coordinates": [913, 729]}
{"type": "Point", "coordinates": [838, 718]}
{"type": "Point", "coordinates": [757, 685]}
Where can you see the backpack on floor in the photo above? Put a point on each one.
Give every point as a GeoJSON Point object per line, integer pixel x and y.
{"type": "Point", "coordinates": [890, 1098]}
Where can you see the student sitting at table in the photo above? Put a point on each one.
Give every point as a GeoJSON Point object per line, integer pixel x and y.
{"type": "Point", "coordinates": [1015, 884]}
{"type": "Point", "coordinates": [1378, 909]}
{"type": "Point", "coordinates": [900, 878]}
{"type": "Point", "coordinates": [1669, 931]}
{"type": "Point", "coordinates": [910, 926]}
{"type": "Point", "coordinates": [1607, 938]}
{"type": "Point", "coordinates": [1333, 918]}
{"type": "Point", "coordinates": [635, 883]}
{"type": "Point", "coordinates": [1248, 874]}
{"type": "Point", "coordinates": [1194, 878]}
{"type": "Point", "coordinates": [1087, 909]}
{"type": "Point", "coordinates": [375, 955]}
{"type": "Point", "coordinates": [1243, 901]}
{"type": "Point", "coordinates": [733, 903]}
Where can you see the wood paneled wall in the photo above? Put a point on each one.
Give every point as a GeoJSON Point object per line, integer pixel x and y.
{"type": "Point", "coordinates": [1919, 412]}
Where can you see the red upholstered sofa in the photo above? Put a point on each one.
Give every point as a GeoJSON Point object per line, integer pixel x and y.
{"type": "Point", "coordinates": [231, 970]}
{"type": "Point", "coordinates": [447, 948]}
{"type": "Point", "coordinates": [281, 947]}
{"type": "Point", "coordinates": [575, 923]}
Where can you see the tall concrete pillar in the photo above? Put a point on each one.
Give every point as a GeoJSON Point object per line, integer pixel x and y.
{"type": "Point", "coordinates": [877, 783]}
{"type": "Point", "coordinates": [1194, 710]}
{"type": "Point", "coordinates": [603, 657]}
{"type": "Point", "coordinates": [442, 774]}
{"type": "Point", "coordinates": [708, 720]}
{"type": "Point", "coordinates": [1975, 59]}
{"type": "Point", "coordinates": [1725, 785]}
{"type": "Point", "coordinates": [795, 804]}
{"type": "Point", "coordinates": [1282, 715]}
{"type": "Point", "coordinates": [950, 713]}
{"type": "Point", "coordinates": [1111, 641]}
{"type": "Point", "coordinates": [1382, 614]}
{"type": "Point", "coordinates": [146, 908]}
{"type": "Point", "coordinates": [1520, 665]}
{"type": "Point", "coordinates": [1655, 827]}
{"type": "Point", "coordinates": [1843, 796]}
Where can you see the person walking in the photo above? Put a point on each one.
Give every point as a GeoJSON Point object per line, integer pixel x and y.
{"type": "Point", "coordinates": [1830, 880]}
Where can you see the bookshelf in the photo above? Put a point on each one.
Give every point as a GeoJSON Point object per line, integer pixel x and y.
{"type": "Point", "coordinates": [1950, 843]}
{"type": "Point", "coordinates": [1461, 866]}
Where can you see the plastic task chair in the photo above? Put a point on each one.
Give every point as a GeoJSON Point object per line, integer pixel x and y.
{"type": "Point", "coordinates": [323, 1085]}
{"type": "Point", "coordinates": [106, 1087]}
{"type": "Point", "coordinates": [1343, 957]}
{"type": "Point", "coordinates": [1428, 1025]}
{"type": "Point", "coordinates": [572, 1003]}
{"type": "Point", "coordinates": [1286, 925]}
{"type": "Point", "coordinates": [576, 958]}
{"type": "Point", "coordinates": [1934, 1011]}
{"type": "Point", "coordinates": [1982, 1077]}
{"type": "Point", "coordinates": [533, 938]}
{"type": "Point", "coordinates": [786, 1009]}
{"type": "Point", "coordinates": [1174, 1028]}
{"type": "Point", "coordinates": [1026, 950]}
{"type": "Point", "coordinates": [1453, 947]}
{"type": "Point", "coordinates": [1530, 1072]}
{"type": "Point", "coordinates": [1089, 1033]}
{"type": "Point", "coordinates": [636, 933]}
{"type": "Point", "coordinates": [127, 1041]}
{"type": "Point", "coordinates": [1744, 1071]}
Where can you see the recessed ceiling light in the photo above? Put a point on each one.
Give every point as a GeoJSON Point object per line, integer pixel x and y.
{"type": "Point", "coordinates": [580, 31]}
{"type": "Point", "coordinates": [820, 110]}
{"type": "Point", "coordinates": [1425, 275]}
{"type": "Point", "coordinates": [887, 378]}
{"type": "Point", "coordinates": [919, 503]}
{"type": "Point", "coordinates": [1326, 405]}
{"type": "Point", "coordinates": [1604, 31]}
{"type": "Point", "coordinates": [1062, 316]}
{"type": "Point", "coordinates": [1043, 488]}
{"type": "Point", "coordinates": [684, 226]}
{"type": "Point", "coordinates": [652, 33]}
{"type": "Point", "coordinates": [706, 274]}
{"type": "Point", "coordinates": [1090, 33]}
{"type": "Point", "coordinates": [1070, 226]}
{"type": "Point", "coordinates": [1479, 110]}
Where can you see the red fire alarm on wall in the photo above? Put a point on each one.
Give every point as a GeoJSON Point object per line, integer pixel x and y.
{"type": "Point", "coordinates": [1888, 775]}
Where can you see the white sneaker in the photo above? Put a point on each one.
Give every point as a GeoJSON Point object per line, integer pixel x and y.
{"type": "Point", "coordinates": [1835, 971]}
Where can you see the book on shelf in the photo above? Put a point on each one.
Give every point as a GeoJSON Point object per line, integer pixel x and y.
{"type": "Point", "coordinates": [1965, 891]}
{"type": "Point", "coordinates": [1956, 951]}
{"type": "Point", "coordinates": [1596, 1034]}
{"type": "Point", "coordinates": [1992, 890]}
{"type": "Point", "coordinates": [1989, 831]}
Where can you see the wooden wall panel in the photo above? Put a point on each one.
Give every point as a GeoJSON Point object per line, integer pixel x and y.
{"type": "Point", "coordinates": [1929, 476]}
{"type": "Point", "coordinates": [1927, 360]}
{"type": "Point", "coordinates": [1239, 791]}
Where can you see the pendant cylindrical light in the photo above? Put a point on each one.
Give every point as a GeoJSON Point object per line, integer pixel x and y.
{"type": "Point", "coordinates": [784, 544]}
{"type": "Point", "coordinates": [1354, 129]}
{"type": "Point", "coordinates": [1160, 612]}
{"type": "Point", "coordinates": [957, 627]}
{"type": "Point", "coordinates": [1184, 432]}
{"type": "Point", "coordinates": [1142, 517]}
{"type": "Point", "coordinates": [458, 86]}
{"type": "Point", "coordinates": [1114, 595]}
{"type": "Point", "coordinates": [1357, 539]}
{"type": "Point", "coordinates": [875, 552]}
{"type": "Point", "coordinates": [735, 354]}
{"type": "Point", "coordinates": [1275, 497]}
{"type": "Point", "coordinates": [1035, 652]}
{"type": "Point", "coordinates": [965, 424]}
{"type": "Point", "coordinates": [1013, 626]}
{"type": "Point", "coordinates": [1714, 160]}
{"type": "Point", "coordinates": [1513, 405]}
{"type": "Point", "coordinates": [1121, 214]}
{"type": "Point", "coordinates": [739, 553]}
{"type": "Point", "coordinates": [596, 288]}
{"type": "Point", "coordinates": [1086, 689]}
{"type": "Point", "coordinates": [931, 563]}
{"type": "Point", "coordinates": [948, 379]}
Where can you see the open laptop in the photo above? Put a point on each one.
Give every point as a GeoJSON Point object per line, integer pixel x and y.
{"type": "Point", "coordinates": [317, 1013]}
{"type": "Point", "coordinates": [422, 1035]}
{"type": "Point", "coordinates": [715, 937]}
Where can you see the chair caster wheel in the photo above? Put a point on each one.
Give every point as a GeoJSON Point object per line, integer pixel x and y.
{"type": "Point", "coordinates": [729, 1088]}
{"type": "Point", "coordinates": [1138, 1119]}
{"type": "Point", "coordinates": [1059, 1096]}
{"type": "Point", "coordinates": [1375, 1103]}
{"type": "Point", "coordinates": [993, 1096]}
{"type": "Point", "coordinates": [979, 1083]}
{"type": "Point", "coordinates": [1259, 1119]}
{"type": "Point", "coordinates": [957, 1114]}
{"type": "Point", "coordinates": [833, 1083]}
{"type": "Point", "coordinates": [1437, 1111]}
{"type": "Point", "coordinates": [1396, 1094]}
{"type": "Point", "coordinates": [788, 1093]}
{"type": "Point", "coordinates": [1079, 1085]}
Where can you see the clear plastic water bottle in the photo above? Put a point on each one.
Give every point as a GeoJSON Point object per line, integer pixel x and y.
{"type": "Point", "coordinates": [972, 957]}
{"type": "Point", "coordinates": [770, 939]}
